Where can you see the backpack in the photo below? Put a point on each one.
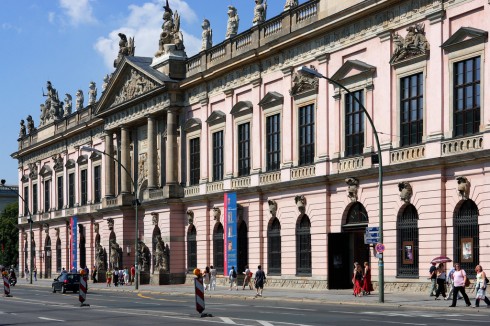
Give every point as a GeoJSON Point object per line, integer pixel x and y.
{"type": "Point", "coordinates": [233, 273]}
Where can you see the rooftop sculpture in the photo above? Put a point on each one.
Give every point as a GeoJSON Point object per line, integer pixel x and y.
{"type": "Point", "coordinates": [233, 20]}
{"type": "Point", "coordinates": [171, 34]}
{"type": "Point", "coordinates": [126, 48]}
{"type": "Point", "coordinates": [260, 12]}
{"type": "Point", "coordinates": [207, 35]}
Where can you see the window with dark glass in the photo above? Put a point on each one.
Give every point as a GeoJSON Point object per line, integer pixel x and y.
{"type": "Point", "coordinates": [34, 198]}
{"type": "Point", "coordinates": [408, 242]}
{"type": "Point", "coordinates": [47, 193]}
{"type": "Point", "coordinates": [306, 130]}
{"type": "Point", "coordinates": [466, 236]}
{"type": "Point", "coordinates": [191, 249]}
{"type": "Point", "coordinates": [71, 190]}
{"type": "Point", "coordinates": [97, 184]}
{"type": "Point", "coordinates": [273, 142]}
{"type": "Point", "coordinates": [274, 247]}
{"type": "Point", "coordinates": [26, 201]}
{"type": "Point", "coordinates": [83, 187]}
{"type": "Point", "coordinates": [218, 247]}
{"type": "Point", "coordinates": [354, 124]}
{"type": "Point", "coordinates": [412, 109]}
{"type": "Point", "coordinates": [59, 187]}
{"type": "Point", "coordinates": [58, 255]}
{"type": "Point", "coordinates": [244, 149]}
{"type": "Point", "coordinates": [303, 246]}
{"type": "Point", "coordinates": [466, 97]}
{"type": "Point", "coordinates": [218, 156]}
{"type": "Point", "coordinates": [195, 161]}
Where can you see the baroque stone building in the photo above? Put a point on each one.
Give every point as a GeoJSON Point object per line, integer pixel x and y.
{"type": "Point", "coordinates": [299, 152]}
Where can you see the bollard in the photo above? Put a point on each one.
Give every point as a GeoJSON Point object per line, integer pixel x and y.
{"type": "Point", "coordinates": [6, 285]}
{"type": "Point", "coordinates": [199, 290]}
{"type": "Point", "coordinates": [82, 293]}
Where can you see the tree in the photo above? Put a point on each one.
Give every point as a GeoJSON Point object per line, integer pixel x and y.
{"type": "Point", "coordinates": [9, 235]}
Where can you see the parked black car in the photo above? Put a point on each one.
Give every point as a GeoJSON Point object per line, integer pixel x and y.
{"type": "Point", "coordinates": [66, 282]}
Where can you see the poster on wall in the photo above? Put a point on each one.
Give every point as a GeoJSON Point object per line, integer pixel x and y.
{"type": "Point", "coordinates": [230, 230]}
{"type": "Point", "coordinates": [467, 250]}
{"type": "Point", "coordinates": [73, 243]}
{"type": "Point", "coordinates": [407, 252]}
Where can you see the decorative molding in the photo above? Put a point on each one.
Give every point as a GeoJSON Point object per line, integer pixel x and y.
{"type": "Point", "coordinates": [216, 117]}
{"type": "Point", "coordinates": [352, 189]}
{"type": "Point", "coordinates": [45, 171]}
{"type": "Point", "coordinates": [242, 108]}
{"type": "Point", "coordinates": [414, 44]}
{"type": "Point", "coordinates": [300, 201]}
{"type": "Point", "coordinates": [271, 99]}
{"type": "Point", "coordinates": [303, 83]}
{"type": "Point", "coordinates": [192, 124]}
{"type": "Point", "coordinates": [134, 85]}
{"type": "Point", "coordinates": [216, 212]}
{"type": "Point", "coordinates": [110, 224]}
{"type": "Point", "coordinates": [70, 164]}
{"type": "Point", "coordinates": [463, 36]}
{"type": "Point", "coordinates": [154, 219]}
{"type": "Point", "coordinates": [190, 217]}
{"type": "Point", "coordinates": [58, 162]}
{"type": "Point", "coordinates": [82, 159]}
{"type": "Point", "coordinates": [272, 207]}
{"type": "Point", "coordinates": [353, 68]}
{"type": "Point", "coordinates": [406, 192]}
{"type": "Point", "coordinates": [463, 187]}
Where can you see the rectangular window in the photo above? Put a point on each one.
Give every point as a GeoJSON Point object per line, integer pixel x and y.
{"type": "Point", "coordinates": [218, 156]}
{"type": "Point", "coordinates": [71, 190]}
{"type": "Point", "coordinates": [97, 184]}
{"type": "Point", "coordinates": [26, 201]}
{"type": "Point", "coordinates": [195, 161]}
{"type": "Point", "coordinates": [34, 198]}
{"type": "Point", "coordinates": [466, 91]}
{"type": "Point", "coordinates": [354, 124]}
{"type": "Point", "coordinates": [59, 187]}
{"type": "Point", "coordinates": [83, 187]}
{"type": "Point", "coordinates": [306, 132]}
{"type": "Point", "coordinates": [244, 149]}
{"type": "Point", "coordinates": [47, 197]}
{"type": "Point", "coordinates": [273, 142]}
{"type": "Point", "coordinates": [412, 109]}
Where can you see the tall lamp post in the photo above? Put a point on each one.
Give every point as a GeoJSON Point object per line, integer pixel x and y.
{"type": "Point", "coordinates": [26, 205]}
{"type": "Point", "coordinates": [311, 72]}
{"type": "Point", "coordinates": [136, 201]}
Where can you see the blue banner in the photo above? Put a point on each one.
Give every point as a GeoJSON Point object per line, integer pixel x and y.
{"type": "Point", "coordinates": [230, 226]}
{"type": "Point", "coordinates": [73, 242]}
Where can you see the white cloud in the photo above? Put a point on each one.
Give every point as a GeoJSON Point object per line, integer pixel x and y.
{"type": "Point", "coordinates": [78, 11]}
{"type": "Point", "coordinates": [51, 17]}
{"type": "Point", "coordinates": [8, 26]}
{"type": "Point", "coordinates": [144, 24]}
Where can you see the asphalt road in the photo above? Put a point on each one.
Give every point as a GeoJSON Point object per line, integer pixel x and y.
{"type": "Point", "coordinates": [38, 306]}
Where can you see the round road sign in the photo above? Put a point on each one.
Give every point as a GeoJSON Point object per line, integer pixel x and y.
{"type": "Point", "coordinates": [380, 247]}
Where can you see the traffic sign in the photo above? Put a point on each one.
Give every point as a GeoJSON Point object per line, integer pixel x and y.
{"type": "Point", "coordinates": [371, 240]}
{"type": "Point", "coordinates": [380, 247]}
{"type": "Point", "coordinates": [372, 229]}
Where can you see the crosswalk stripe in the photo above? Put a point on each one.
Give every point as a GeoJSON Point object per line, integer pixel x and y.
{"type": "Point", "coordinates": [264, 323]}
{"type": "Point", "coordinates": [227, 320]}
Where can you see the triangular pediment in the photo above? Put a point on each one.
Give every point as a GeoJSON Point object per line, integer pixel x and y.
{"type": "Point", "coordinates": [271, 99]}
{"type": "Point", "coordinates": [70, 164]}
{"type": "Point", "coordinates": [45, 171]}
{"type": "Point", "coordinates": [353, 68]}
{"type": "Point", "coordinates": [192, 124]}
{"type": "Point", "coordinates": [216, 117]}
{"type": "Point", "coordinates": [465, 35]}
{"type": "Point", "coordinates": [242, 108]}
{"type": "Point", "coordinates": [82, 159]}
{"type": "Point", "coordinates": [133, 79]}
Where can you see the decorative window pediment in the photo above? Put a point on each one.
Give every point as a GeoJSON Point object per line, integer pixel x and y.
{"type": "Point", "coordinates": [464, 37]}
{"type": "Point", "coordinates": [24, 178]}
{"type": "Point", "coordinates": [353, 69]}
{"type": "Point", "coordinates": [304, 83]}
{"type": "Point", "coordinates": [242, 108]}
{"type": "Point", "coordinates": [32, 170]}
{"type": "Point", "coordinates": [414, 44]}
{"type": "Point", "coordinates": [271, 99]}
{"type": "Point", "coordinates": [70, 164]}
{"type": "Point", "coordinates": [45, 171]}
{"type": "Point", "coordinates": [94, 156]}
{"type": "Point", "coordinates": [58, 162]}
{"type": "Point", "coordinates": [192, 124]}
{"type": "Point", "coordinates": [82, 159]}
{"type": "Point", "coordinates": [216, 117]}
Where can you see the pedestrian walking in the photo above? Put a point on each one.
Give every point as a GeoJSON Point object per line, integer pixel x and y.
{"type": "Point", "coordinates": [248, 278]}
{"type": "Point", "coordinates": [115, 277]}
{"type": "Point", "coordinates": [108, 276]}
{"type": "Point", "coordinates": [133, 273]}
{"type": "Point", "coordinates": [481, 287]}
{"type": "Point", "coordinates": [213, 273]}
{"type": "Point", "coordinates": [433, 279]}
{"type": "Point", "coordinates": [126, 275]}
{"type": "Point", "coordinates": [94, 274]}
{"type": "Point", "coordinates": [367, 286]}
{"type": "Point", "coordinates": [357, 281]}
{"type": "Point", "coordinates": [35, 273]}
{"type": "Point", "coordinates": [206, 277]}
{"type": "Point", "coordinates": [259, 281]}
{"type": "Point", "coordinates": [441, 281]}
{"type": "Point", "coordinates": [450, 283]}
{"type": "Point", "coordinates": [233, 278]}
{"type": "Point", "coordinates": [459, 279]}
{"type": "Point", "coordinates": [26, 272]}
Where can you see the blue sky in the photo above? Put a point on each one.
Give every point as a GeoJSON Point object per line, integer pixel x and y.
{"type": "Point", "coordinates": [73, 42]}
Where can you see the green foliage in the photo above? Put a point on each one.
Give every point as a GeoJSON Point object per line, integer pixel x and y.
{"type": "Point", "coordinates": [9, 235]}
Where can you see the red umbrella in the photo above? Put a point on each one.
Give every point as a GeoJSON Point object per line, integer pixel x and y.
{"type": "Point", "coordinates": [441, 259]}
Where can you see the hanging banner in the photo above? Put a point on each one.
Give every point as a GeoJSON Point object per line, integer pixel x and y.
{"type": "Point", "coordinates": [73, 243]}
{"type": "Point", "coordinates": [230, 229]}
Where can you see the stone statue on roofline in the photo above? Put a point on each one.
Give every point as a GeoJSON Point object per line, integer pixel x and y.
{"type": "Point", "coordinates": [92, 93]}
{"type": "Point", "coordinates": [106, 82]}
{"type": "Point", "coordinates": [171, 38]}
{"type": "Point", "coordinates": [233, 20]}
{"type": "Point", "coordinates": [68, 104]}
{"type": "Point", "coordinates": [126, 48]}
{"type": "Point", "coordinates": [23, 130]}
{"type": "Point", "coordinates": [51, 109]}
{"type": "Point", "coordinates": [207, 35]}
{"type": "Point", "coordinates": [290, 4]}
{"type": "Point", "coordinates": [260, 12]}
{"type": "Point", "coordinates": [30, 125]}
{"type": "Point", "coordinates": [80, 99]}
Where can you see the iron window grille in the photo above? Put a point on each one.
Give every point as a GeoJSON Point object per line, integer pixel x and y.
{"type": "Point", "coordinates": [26, 201]}
{"type": "Point", "coordinates": [71, 190]}
{"type": "Point", "coordinates": [34, 198]}
{"type": "Point", "coordinates": [412, 109]}
{"type": "Point", "coordinates": [306, 120]}
{"type": "Point", "coordinates": [242, 247]}
{"type": "Point", "coordinates": [218, 247]}
{"type": "Point", "coordinates": [408, 243]}
{"type": "Point", "coordinates": [83, 259]}
{"type": "Point", "coordinates": [47, 197]}
{"type": "Point", "coordinates": [97, 184]}
{"type": "Point", "coordinates": [59, 187]}
{"type": "Point", "coordinates": [273, 143]}
{"type": "Point", "coordinates": [303, 247]}
{"type": "Point", "coordinates": [244, 149]}
{"type": "Point", "coordinates": [274, 247]}
{"type": "Point", "coordinates": [195, 161]}
{"type": "Point", "coordinates": [354, 124]}
{"type": "Point", "coordinates": [191, 249]}
{"type": "Point", "coordinates": [218, 154]}
{"type": "Point", "coordinates": [58, 255]}
{"type": "Point", "coordinates": [466, 91]}
{"type": "Point", "coordinates": [357, 214]}
{"type": "Point", "coordinates": [83, 186]}
{"type": "Point", "coordinates": [47, 258]}
{"type": "Point", "coordinates": [466, 237]}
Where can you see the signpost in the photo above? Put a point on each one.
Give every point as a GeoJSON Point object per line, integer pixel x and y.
{"type": "Point", "coordinates": [372, 235]}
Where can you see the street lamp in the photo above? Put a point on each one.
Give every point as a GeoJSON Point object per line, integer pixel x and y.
{"type": "Point", "coordinates": [26, 205]}
{"type": "Point", "coordinates": [136, 202]}
{"type": "Point", "coordinates": [312, 72]}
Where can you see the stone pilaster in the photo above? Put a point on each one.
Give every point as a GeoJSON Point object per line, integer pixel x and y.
{"type": "Point", "coordinates": [109, 165]}
{"type": "Point", "coordinates": [172, 188]}
{"type": "Point", "coordinates": [152, 152]}
{"type": "Point", "coordinates": [125, 161]}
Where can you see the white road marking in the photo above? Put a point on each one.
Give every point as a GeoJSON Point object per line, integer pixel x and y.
{"type": "Point", "coordinates": [392, 322]}
{"type": "Point", "coordinates": [50, 319]}
{"type": "Point", "coordinates": [227, 320]}
{"type": "Point", "coordinates": [288, 308]}
{"type": "Point", "coordinates": [265, 323]}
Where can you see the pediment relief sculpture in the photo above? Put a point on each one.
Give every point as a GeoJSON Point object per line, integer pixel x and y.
{"type": "Point", "coordinates": [463, 187]}
{"type": "Point", "coordinates": [414, 44]}
{"type": "Point", "coordinates": [32, 170]}
{"type": "Point", "coordinates": [134, 85]}
{"type": "Point", "coordinates": [352, 188]}
{"type": "Point", "coordinates": [45, 171]}
{"type": "Point", "coordinates": [303, 82]}
{"type": "Point", "coordinates": [58, 162]}
{"type": "Point", "coordinates": [405, 191]}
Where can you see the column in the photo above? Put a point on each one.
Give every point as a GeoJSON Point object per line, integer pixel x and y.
{"type": "Point", "coordinates": [152, 149]}
{"type": "Point", "coordinates": [171, 149]}
{"type": "Point", "coordinates": [256, 131]}
{"type": "Point", "coordinates": [287, 130]}
{"type": "Point", "coordinates": [125, 177]}
{"type": "Point", "coordinates": [109, 165]}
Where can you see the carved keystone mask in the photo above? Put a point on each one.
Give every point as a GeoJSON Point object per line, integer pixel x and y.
{"type": "Point", "coordinates": [272, 207]}
{"type": "Point", "coordinates": [353, 186]}
{"type": "Point", "coordinates": [405, 191]}
{"type": "Point", "coordinates": [216, 214]}
{"type": "Point", "coordinates": [463, 187]}
{"type": "Point", "coordinates": [154, 218]}
{"type": "Point", "coordinates": [300, 203]}
{"type": "Point", "coordinates": [190, 217]}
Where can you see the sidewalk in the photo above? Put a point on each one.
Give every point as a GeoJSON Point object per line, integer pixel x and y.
{"type": "Point", "coordinates": [342, 297]}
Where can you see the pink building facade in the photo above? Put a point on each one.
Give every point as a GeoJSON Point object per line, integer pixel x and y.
{"type": "Point", "coordinates": [298, 151]}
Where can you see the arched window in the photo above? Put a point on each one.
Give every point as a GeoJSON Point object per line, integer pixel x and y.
{"type": "Point", "coordinates": [58, 255]}
{"type": "Point", "coordinates": [191, 249]}
{"type": "Point", "coordinates": [242, 247]}
{"type": "Point", "coordinates": [357, 215]}
{"type": "Point", "coordinates": [47, 258]}
{"type": "Point", "coordinates": [218, 247]}
{"type": "Point", "coordinates": [303, 246]}
{"type": "Point", "coordinates": [274, 247]}
{"type": "Point", "coordinates": [466, 236]}
{"type": "Point", "coordinates": [408, 242]}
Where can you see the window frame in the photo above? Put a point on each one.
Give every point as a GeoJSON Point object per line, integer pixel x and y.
{"type": "Point", "coordinates": [244, 152]}
{"type": "Point", "coordinates": [83, 186]}
{"type": "Point", "coordinates": [310, 159]}
{"type": "Point", "coordinates": [361, 114]}
{"type": "Point", "coordinates": [71, 187]}
{"type": "Point", "coordinates": [97, 185]}
{"type": "Point", "coordinates": [214, 165]}
{"type": "Point", "coordinates": [194, 160]}
{"type": "Point", "coordinates": [60, 192]}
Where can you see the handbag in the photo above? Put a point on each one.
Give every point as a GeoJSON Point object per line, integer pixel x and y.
{"type": "Point", "coordinates": [467, 282]}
